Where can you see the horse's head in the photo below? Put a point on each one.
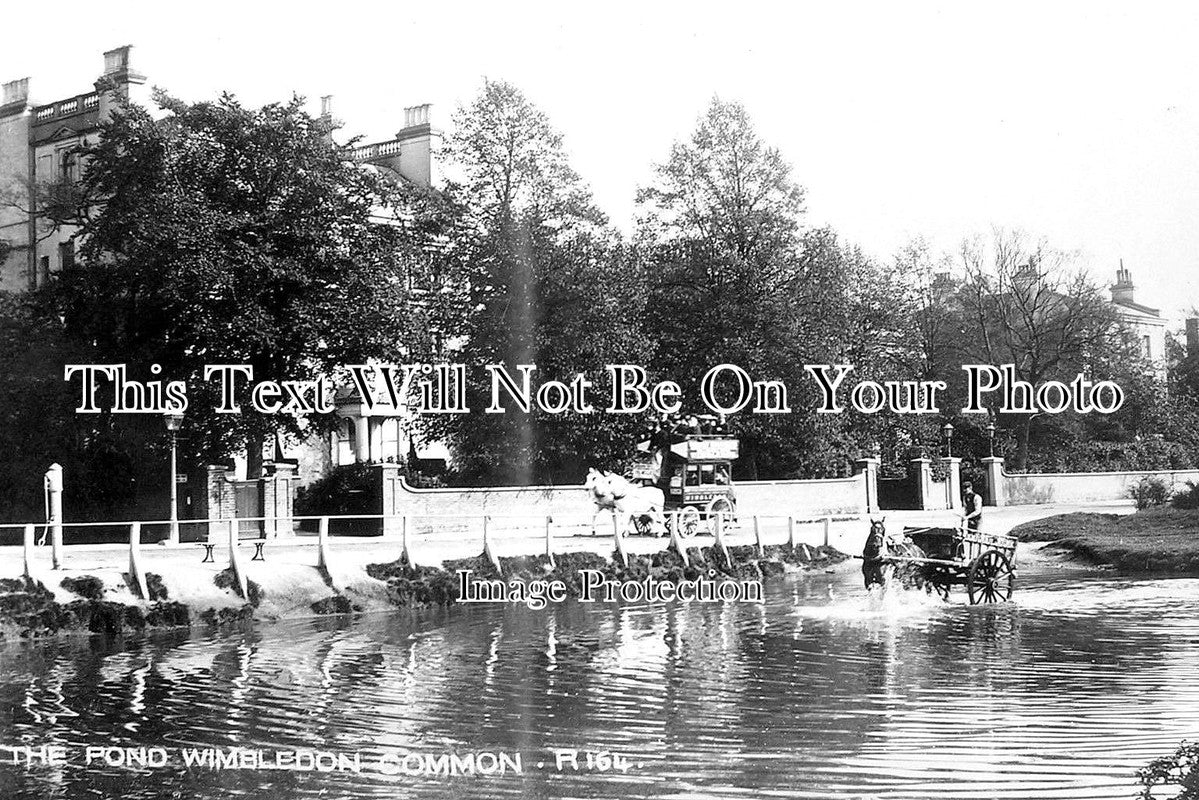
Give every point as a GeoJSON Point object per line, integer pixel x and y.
{"type": "Point", "coordinates": [876, 540]}
{"type": "Point", "coordinates": [598, 484]}
{"type": "Point", "coordinates": [618, 485]}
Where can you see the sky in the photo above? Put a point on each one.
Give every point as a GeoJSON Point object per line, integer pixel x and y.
{"type": "Point", "coordinates": [1075, 122]}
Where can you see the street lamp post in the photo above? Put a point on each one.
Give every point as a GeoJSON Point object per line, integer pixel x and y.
{"type": "Point", "coordinates": [173, 423]}
{"type": "Point", "coordinates": [948, 431]}
{"type": "Point", "coordinates": [991, 438]}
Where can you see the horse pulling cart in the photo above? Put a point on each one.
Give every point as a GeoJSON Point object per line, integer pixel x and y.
{"type": "Point", "coordinates": [941, 558]}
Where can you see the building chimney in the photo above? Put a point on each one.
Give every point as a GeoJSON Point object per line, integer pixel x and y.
{"type": "Point", "coordinates": [418, 141]}
{"type": "Point", "coordinates": [15, 98]}
{"type": "Point", "coordinates": [1192, 337]}
{"type": "Point", "coordinates": [120, 80]}
{"type": "Point", "coordinates": [327, 106]}
{"type": "Point", "coordinates": [1123, 290]}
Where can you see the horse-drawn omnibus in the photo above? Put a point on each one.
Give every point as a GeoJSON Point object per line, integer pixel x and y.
{"type": "Point", "coordinates": [694, 472]}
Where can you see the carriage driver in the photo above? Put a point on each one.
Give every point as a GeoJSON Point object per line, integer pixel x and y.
{"type": "Point", "coordinates": [972, 507]}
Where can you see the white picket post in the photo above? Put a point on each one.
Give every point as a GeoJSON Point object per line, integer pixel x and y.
{"type": "Point", "coordinates": [719, 532]}
{"type": "Point", "coordinates": [676, 536]}
{"type": "Point", "coordinates": [758, 536]}
{"type": "Point", "coordinates": [549, 541]}
{"type": "Point", "coordinates": [624, 556]}
{"type": "Point", "coordinates": [322, 544]}
{"type": "Point", "coordinates": [135, 560]}
{"type": "Point", "coordinates": [828, 521]}
{"type": "Point", "coordinates": [239, 575]}
{"type": "Point", "coordinates": [791, 532]}
{"type": "Point", "coordinates": [29, 551]}
{"type": "Point", "coordinates": [405, 553]}
{"type": "Point", "coordinates": [488, 552]}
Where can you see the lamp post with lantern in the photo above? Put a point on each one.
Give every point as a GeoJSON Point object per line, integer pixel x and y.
{"type": "Point", "coordinates": [173, 423]}
{"type": "Point", "coordinates": [947, 429]}
{"type": "Point", "coordinates": [991, 438]}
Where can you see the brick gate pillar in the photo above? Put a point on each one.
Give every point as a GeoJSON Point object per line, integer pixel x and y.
{"type": "Point", "coordinates": [994, 494]}
{"type": "Point", "coordinates": [278, 498]}
{"type": "Point", "coordinates": [220, 501]}
{"type": "Point", "coordinates": [953, 483]}
{"type": "Point", "coordinates": [921, 474]}
{"type": "Point", "coordinates": [869, 467]}
{"type": "Point", "coordinates": [391, 493]}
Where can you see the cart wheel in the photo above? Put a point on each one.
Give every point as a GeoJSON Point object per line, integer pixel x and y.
{"type": "Point", "coordinates": [718, 505]}
{"type": "Point", "coordinates": [688, 521]}
{"type": "Point", "coordinates": [643, 524]}
{"type": "Point", "coordinates": [991, 578]}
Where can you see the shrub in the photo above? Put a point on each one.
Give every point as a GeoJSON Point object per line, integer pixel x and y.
{"type": "Point", "coordinates": [345, 490]}
{"type": "Point", "coordinates": [1188, 498]}
{"type": "Point", "coordinates": [1149, 491]}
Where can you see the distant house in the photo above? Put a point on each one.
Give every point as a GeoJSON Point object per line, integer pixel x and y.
{"type": "Point", "coordinates": [1145, 323]}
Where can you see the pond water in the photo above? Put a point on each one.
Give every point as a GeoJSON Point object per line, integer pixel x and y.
{"type": "Point", "coordinates": [818, 692]}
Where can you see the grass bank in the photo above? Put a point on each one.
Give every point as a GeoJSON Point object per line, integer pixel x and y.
{"type": "Point", "coordinates": [1155, 541]}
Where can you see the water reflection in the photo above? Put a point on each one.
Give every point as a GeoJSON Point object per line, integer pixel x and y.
{"type": "Point", "coordinates": [816, 693]}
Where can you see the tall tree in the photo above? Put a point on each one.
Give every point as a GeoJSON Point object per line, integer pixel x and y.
{"type": "Point", "coordinates": [548, 285]}
{"type": "Point", "coordinates": [221, 234]}
{"type": "Point", "coordinates": [1024, 303]}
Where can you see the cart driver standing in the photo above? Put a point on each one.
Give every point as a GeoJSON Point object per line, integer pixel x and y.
{"type": "Point", "coordinates": [972, 507]}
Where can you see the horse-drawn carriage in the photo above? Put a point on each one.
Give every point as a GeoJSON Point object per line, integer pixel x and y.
{"type": "Point", "coordinates": [684, 475]}
{"type": "Point", "coordinates": [940, 558]}
{"type": "Point", "coordinates": [695, 475]}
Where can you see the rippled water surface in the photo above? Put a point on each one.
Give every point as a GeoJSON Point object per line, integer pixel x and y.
{"type": "Point", "coordinates": [817, 693]}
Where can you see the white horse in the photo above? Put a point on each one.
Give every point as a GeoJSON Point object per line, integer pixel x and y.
{"type": "Point", "coordinates": [627, 501]}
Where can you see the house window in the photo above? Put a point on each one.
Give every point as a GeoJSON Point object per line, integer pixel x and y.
{"type": "Point", "coordinates": [66, 255]}
{"type": "Point", "coordinates": [420, 275]}
{"type": "Point", "coordinates": [68, 166]}
{"type": "Point", "coordinates": [1146, 348]}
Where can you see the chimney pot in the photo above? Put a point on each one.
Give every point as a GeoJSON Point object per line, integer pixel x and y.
{"type": "Point", "coordinates": [117, 60]}
{"type": "Point", "coordinates": [327, 105]}
{"type": "Point", "coordinates": [416, 115]}
{"type": "Point", "coordinates": [16, 92]}
{"type": "Point", "coordinates": [1193, 337]}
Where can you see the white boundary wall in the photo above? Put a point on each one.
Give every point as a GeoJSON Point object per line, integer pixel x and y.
{"type": "Point", "coordinates": [1084, 487]}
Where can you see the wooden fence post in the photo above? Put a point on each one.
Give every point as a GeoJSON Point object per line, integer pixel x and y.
{"type": "Point", "coordinates": [758, 536]}
{"type": "Point", "coordinates": [828, 521]}
{"type": "Point", "coordinates": [719, 532]}
{"type": "Point", "coordinates": [549, 541]}
{"type": "Point", "coordinates": [239, 575]}
{"type": "Point", "coordinates": [791, 532]}
{"type": "Point", "coordinates": [405, 553]}
{"type": "Point", "coordinates": [488, 553]}
{"type": "Point", "coordinates": [676, 536]}
{"type": "Point", "coordinates": [136, 574]}
{"type": "Point", "coordinates": [322, 545]}
{"type": "Point", "coordinates": [28, 551]}
{"type": "Point", "coordinates": [620, 551]}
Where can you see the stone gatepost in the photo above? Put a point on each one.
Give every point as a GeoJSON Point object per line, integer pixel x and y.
{"type": "Point", "coordinates": [869, 467]}
{"type": "Point", "coordinates": [392, 493]}
{"type": "Point", "coordinates": [220, 500]}
{"type": "Point", "coordinates": [921, 473]}
{"type": "Point", "coordinates": [953, 483]}
{"type": "Point", "coordinates": [994, 494]}
{"type": "Point", "coordinates": [278, 499]}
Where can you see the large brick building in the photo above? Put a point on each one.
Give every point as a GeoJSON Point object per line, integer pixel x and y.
{"type": "Point", "coordinates": [40, 160]}
{"type": "Point", "coordinates": [39, 157]}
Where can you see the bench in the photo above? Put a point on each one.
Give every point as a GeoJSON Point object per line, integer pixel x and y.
{"type": "Point", "coordinates": [259, 555]}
